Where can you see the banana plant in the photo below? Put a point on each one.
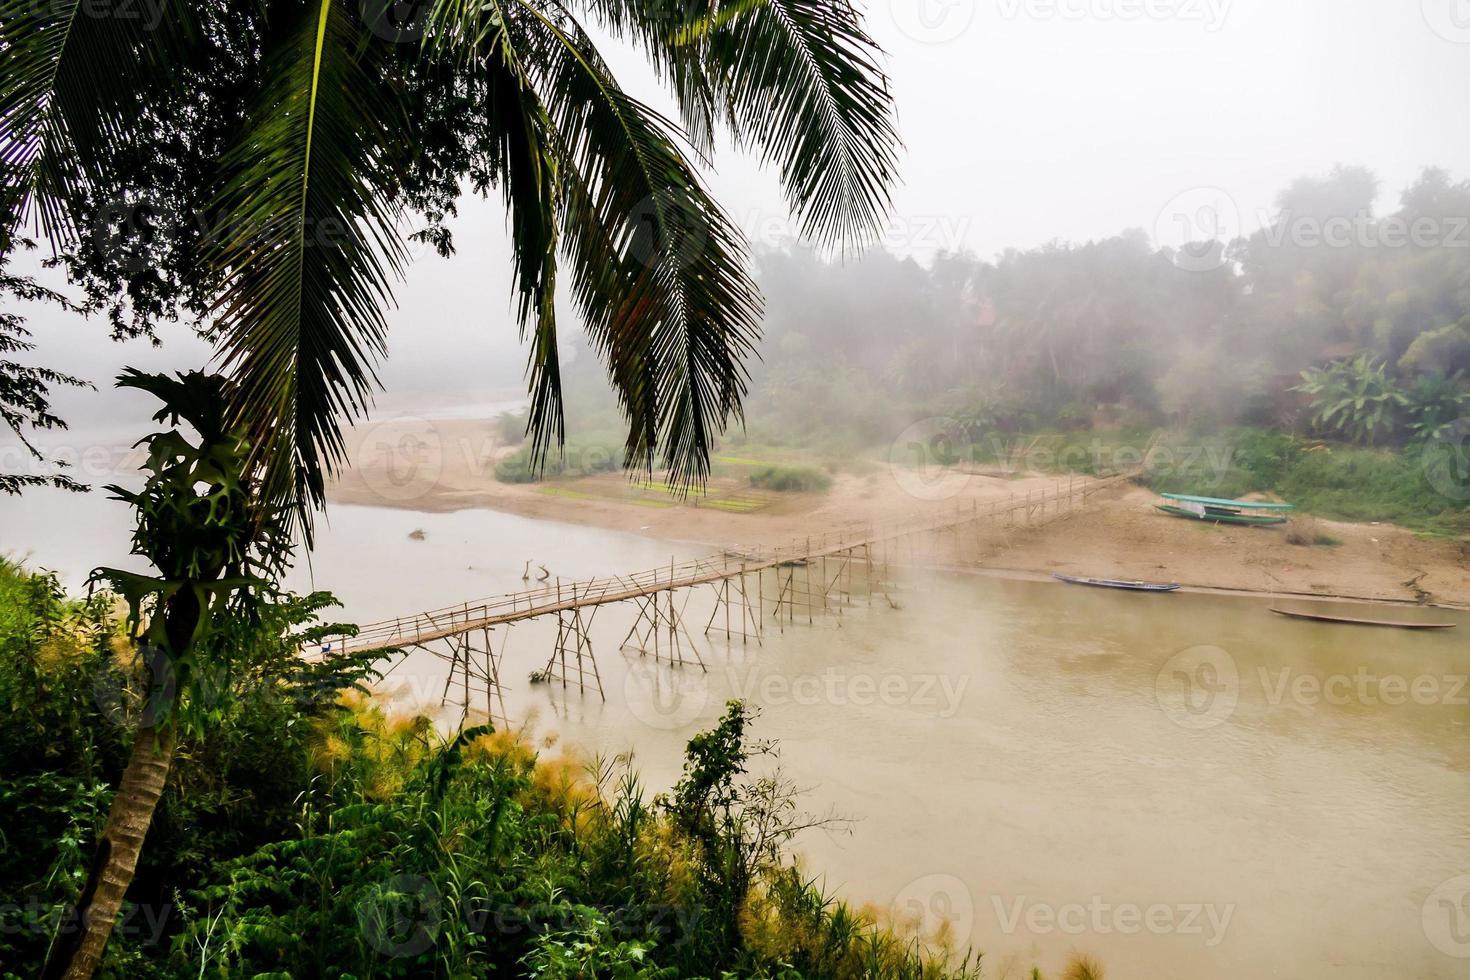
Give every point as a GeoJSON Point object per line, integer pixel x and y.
{"type": "Point", "coordinates": [1353, 398]}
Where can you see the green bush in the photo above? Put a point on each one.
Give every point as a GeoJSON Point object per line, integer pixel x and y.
{"type": "Point", "coordinates": [1333, 480]}
{"type": "Point", "coordinates": [310, 833]}
{"type": "Point", "coordinates": [581, 456]}
{"type": "Point", "coordinates": [790, 479]}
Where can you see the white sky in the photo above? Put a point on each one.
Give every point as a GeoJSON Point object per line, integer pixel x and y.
{"type": "Point", "coordinates": [1024, 121]}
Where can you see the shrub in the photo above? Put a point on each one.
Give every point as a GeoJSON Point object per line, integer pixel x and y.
{"type": "Point", "coordinates": [790, 479]}
{"type": "Point", "coordinates": [581, 456]}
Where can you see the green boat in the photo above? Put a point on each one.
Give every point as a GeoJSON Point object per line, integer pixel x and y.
{"type": "Point", "coordinates": [1223, 516]}
{"type": "Point", "coordinates": [1222, 502]}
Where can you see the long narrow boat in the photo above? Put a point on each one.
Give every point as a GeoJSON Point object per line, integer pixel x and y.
{"type": "Point", "coordinates": [1355, 621]}
{"type": "Point", "coordinates": [1117, 583]}
{"type": "Point", "coordinates": [1222, 516]}
{"type": "Point", "coordinates": [1225, 502]}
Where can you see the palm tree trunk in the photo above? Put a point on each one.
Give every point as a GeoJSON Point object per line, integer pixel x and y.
{"type": "Point", "coordinates": [78, 951]}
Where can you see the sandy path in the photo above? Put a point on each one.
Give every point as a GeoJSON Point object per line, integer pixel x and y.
{"type": "Point", "coordinates": [449, 465]}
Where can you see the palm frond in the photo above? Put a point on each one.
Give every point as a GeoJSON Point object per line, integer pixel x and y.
{"type": "Point", "coordinates": [308, 244]}
{"type": "Point", "coordinates": [69, 70]}
{"type": "Point", "coordinates": [803, 83]}
{"type": "Point", "coordinates": [799, 81]}
{"type": "Point", "coordinates": [658, 271]}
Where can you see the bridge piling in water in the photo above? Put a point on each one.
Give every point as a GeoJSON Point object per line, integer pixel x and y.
{"type": "Point", "coordinates": [738, 580]}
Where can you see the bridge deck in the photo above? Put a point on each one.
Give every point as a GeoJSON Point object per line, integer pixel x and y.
{"type": "Point", "coordinates": [468, 617]}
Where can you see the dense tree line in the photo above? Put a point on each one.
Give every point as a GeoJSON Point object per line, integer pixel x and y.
{"type": "Point", "coordinates": [1119, 332]}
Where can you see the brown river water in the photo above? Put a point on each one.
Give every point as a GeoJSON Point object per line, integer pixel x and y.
{"type": "Point", "coordinates": [1179, 785]}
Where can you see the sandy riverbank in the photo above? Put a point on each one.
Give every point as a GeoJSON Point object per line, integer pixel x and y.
{"type": "Point", "coordinates": [449, 465]}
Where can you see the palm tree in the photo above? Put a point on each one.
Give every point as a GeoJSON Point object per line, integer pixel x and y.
{"type": "Point", "coordinates": [353, 121]}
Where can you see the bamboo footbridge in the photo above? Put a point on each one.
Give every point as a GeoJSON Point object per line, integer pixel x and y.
{"type": "Point", "coordinates": [753, 589]}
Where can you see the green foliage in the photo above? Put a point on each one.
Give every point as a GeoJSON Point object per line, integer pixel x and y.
{"type": "Point", "coordinates": [1433, 402]}
{"type": "Point", "coordinates": [803, 479]}
{"type": "Point", "coordinates": [582, 455]}
{"type": "Point", "coordinates": [25, 390]}
{"type": "Point", "coordinates": [1332, 480]}
{"type": "Point", "coordinates": [307, 835]}
{"type": "Point", "coordinates": [200, 523]}
{"type": "Point", "coordinates": [70, 689]}
{"type": "Point", "coordinates": [279, 152]}
{"type": "Point", "coordinates": [1116, 334]}
{"type": "Point", "coordinates": [1353, 398]}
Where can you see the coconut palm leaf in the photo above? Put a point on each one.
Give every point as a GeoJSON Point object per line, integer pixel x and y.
{"type": "Point", "coordinates": [69, 71]}
{"type": "Point", "coordinates": [797, 80]}
{"type": "Point", "coordinates": [658, 271]}
{"type": "Point", "coordinates": [308, 244]}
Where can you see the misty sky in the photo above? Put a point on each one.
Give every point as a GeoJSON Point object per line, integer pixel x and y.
{"type": "Point", "coordinates": [1024, 121]}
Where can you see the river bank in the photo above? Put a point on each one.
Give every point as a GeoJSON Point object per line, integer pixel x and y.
{"type": "Point", "coordinates": [448, 465]}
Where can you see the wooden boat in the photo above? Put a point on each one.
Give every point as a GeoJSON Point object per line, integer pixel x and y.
{"type": "Point", "coordinates": [1223, 516]}
{"type": "Point", "coordinates": [1227, 503]}
{"type": "Point", "coordinates": [1114, 583]}
{"type": "Point", "coordinates": [1355, 621]}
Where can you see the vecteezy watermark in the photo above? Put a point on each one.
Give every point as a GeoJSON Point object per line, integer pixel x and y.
{"type": "Point", "coordinates": [922, 459]}
{"type": "Point", "coordinates": [940, 693]}
{"type": "Point", "coordinates": [136, 233]}
{"type": "Point", "coordinates": [1446, 461]}
{"type": "Point", "coordinates": [1445, 916]}
{"type": "Point", "coordinates": [1209, 13]}
{"type": "Point", "coordinates": [900, 233]}
{"type": "Point", "coordinates": [1362, 687]}
{"type": "Point", "coordinates": [87, 463]}
{"type": "Point", "coordinates": [1203, 220]}
{"type": "Point", "coordinates": [1198, 687]}
{"type": "Point", "coordinates": [932, 21]}
{"type": "Point", "coordinates": [148, 13]}
{"type": "Point", "coordinates": [663, 696]}
{"type": "Point", "coordinates": [138, 693]}
{"type": "Point", "coordinates": [400, 459]}
{"type": "Point", "coordinates": [667, 231]}
{"type": "Point", "coordinates": [398, 21]}
{"type": "Point", "coordinates": [936, 906]}
{"type": "Point", "coordinates": [141, 922]}
{"type": "Point", "coordinates": [1098, 916]}
{"type": "Point", "coordinates": [1363, 230]}
{"type": "Point", "coordinates": [929, 459]}
{"type": "Point", "coordinates": [1450, 19]}
{"type": "Point", "coordinates": [401, 916]}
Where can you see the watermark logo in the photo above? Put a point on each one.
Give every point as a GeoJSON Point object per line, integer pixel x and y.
{"type": "Point", "coordinates": [397, 21]}
{"type": "Point", "coordinates": [1446, 461]}
{"type": "Point", "coordinates": [1363, 687]}
{"type": "Point", "coordinates": [937, 906]}
{"type": "Point", "coordinates": [138, 694]}
{"type": "Point", "coordinates": [1198, 687]}
{"type": "Point", "coordinates": [666, 231]}
{"type": "Point", "coordinates": [400, 459]}
{"type": "Point", "coordinates": [940, 693]}
{"type": "Point", "coordinates": [1450, 19]}
{"type": "Point", "coordinates": [922, 459]}
{"type": "Point", "coordinates": [1210, 13]}
{"type": "Point", "coordinates": [1446, 917]}
{"type": "Point", "coordinates": [663, 696]}
{"type": "Point", "coordinates": [1362, 230]}
{"type": "Point", "coordinates": [932, 21]}
{"type": "Point", "coordinates": [1100, 917]}
{"type": "Point", "coordinates": [400, 917]}
{"type": "Point", "coordinates": [130, 235]}
{"type": "Point", "coordinates": [1203, 220]}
